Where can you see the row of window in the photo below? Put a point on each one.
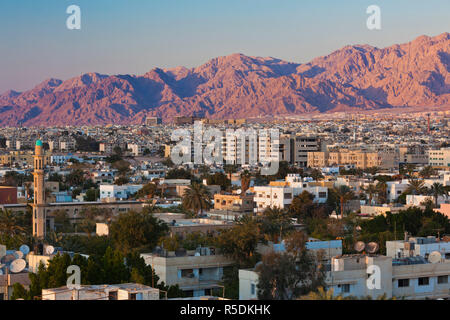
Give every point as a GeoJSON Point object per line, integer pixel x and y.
{"type": "Point", "coordinates": [422, 281]}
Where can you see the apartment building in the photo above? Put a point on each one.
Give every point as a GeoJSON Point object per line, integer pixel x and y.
{"type": "Point", "coordinates": [439, 158]}
{"type": "Point", "coordinates": [417, 246]}
{"type": "Point", "coordinates": [280, 193]}
{"type": "Point", "coordinates": [407, 278]}
{"type": "Point", "coordinates": [119, 192]}
{"type": "Point", "coordinates": [359, 158]}
{"type": "Point", "coordinates": [413, 155]}
{"type": "Point", "coordinates": [197, 272]}
{"type": "Point", "coordinates": [233, 202]}
{"type": "Point", "coordinates": [295, 148]}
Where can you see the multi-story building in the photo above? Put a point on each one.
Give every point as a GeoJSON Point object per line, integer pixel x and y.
{"type": "Point", "coordinates": [234, 202]}
{"type": "Point", "coordinates": [280, 193]}
{"type": "Point", "coordinates": [360, 159]}
{"type": "Point", "coordinates": [197, 272]}
{"type": "Point", "coordinates": [439, 158]}
{"type": "Point", "coordinates": [405, 278]}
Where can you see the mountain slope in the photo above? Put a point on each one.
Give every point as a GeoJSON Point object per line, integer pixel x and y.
{"type": "Point", "coordinates": [361, 77]}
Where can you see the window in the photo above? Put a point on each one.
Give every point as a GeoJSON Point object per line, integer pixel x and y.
{"type": "Point", "coordinates": [403, 283]}
{"type": "Point", "coordinates": [442, 279]}
{"type": "Point", "coordinates": [112, 295]}
{"type": "Point", "coordinates": [346, 288]}
{"type": "Point", "coordinates": [424, 281]}
{"type": "Point", "coordinates": [322, 194]}
{"type": "Point", "coordinates": [187, 273]}
{"type": "Point", "coordinates": [2, 296]}
{"type": "Point", "coordinates": [253, 288]}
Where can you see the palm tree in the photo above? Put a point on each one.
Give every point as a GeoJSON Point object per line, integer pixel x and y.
{"type": "Point", "coordinates": [370, 190]}
{"type": "Point", "coordinates": [427, 172]}
{"type": "Point", "coordinates": [245, 181]}
{"type": "Point", "coordinates": [382, 191]}
{"type": "Point", "coordinates": [197, 198]}
{"type": "Point", "coordinates": [416, 186]}
{"type": "Point", "coordinates": [9, 223]}
{"type": "Point", "coordinates": [344, 194]}
{"type": "Point", "coordinates": [321, 294]}
{"type": "Point", "coordinates": [436, 190]}
{"type": "Point", "coordinates": [409, 169]}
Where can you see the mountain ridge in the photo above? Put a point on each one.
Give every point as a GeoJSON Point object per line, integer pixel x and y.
{"type": "Point", "coordinates": [355, 77]}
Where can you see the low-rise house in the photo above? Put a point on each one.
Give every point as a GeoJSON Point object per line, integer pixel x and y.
{"type": "Point", "coordinates": [124, 291]}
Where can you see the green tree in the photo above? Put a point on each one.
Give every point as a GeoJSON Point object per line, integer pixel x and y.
{"type": "Point", "coordinates": [284, 276]}
{"type": "Point", "coordinates": [220, 179]}
{"type": "Point", "coordinates": [197, 198]}
{"type": "Point", "coordinates": [427, 172]}
{"type": "Point", "coordinates": [274, 222]}
{"type": "Point", "coordinates": [343, 194]}
{"type": "Point", "coordinates": [137, 230]}
{"type": "Point", "coordinates": [436, 190]}
{"type": "Point", "coordinates": [240, 242]}
{"type": "Point", "coordinates": [416, 187]}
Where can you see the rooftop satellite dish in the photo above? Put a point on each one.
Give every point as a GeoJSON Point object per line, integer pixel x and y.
{"type": "Point", "coordinates": [372, 247]}
{"type": "Point", "coordinates": [25, 249]}
{"type": "Point", "coordinates": [239, 191]}
{"type": "Point", "coordinates": [359, 246]}
{"type": "Point", "coordinates": [8, 259]}
{"type": "Point", "coordinates": [49, 250]}
{"type": "Point", "coordinates": [18, 266]}
{"type": "Point", "coordinates": [18, 254]}
{"type": "Point", "coordinates": [435, 257]}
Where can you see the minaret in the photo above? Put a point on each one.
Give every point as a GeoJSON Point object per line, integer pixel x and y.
{"type": "Point", "coordinates": [39, 192]}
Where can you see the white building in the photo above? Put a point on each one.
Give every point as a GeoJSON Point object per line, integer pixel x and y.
{"type": "Point", "coordinates": [280, 193]}
{"type": "Point", "coordinates": [125, 291]}
{"type": "Point", "coordinates": [197, 272]}
{"type": "Point", "coordinates": [417, 246]}
{"type": "Point", "coordinates": [395, 189]}
{"type": "Point", "coordinates": [119, 192]}
{"type": "Point", "coordinates": [417, 200]}
{"type": "Point", "coordinates": [407, 278]}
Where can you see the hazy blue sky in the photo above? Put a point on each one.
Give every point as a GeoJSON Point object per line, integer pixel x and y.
{"type": "Point", "coordinates": [133, 36]}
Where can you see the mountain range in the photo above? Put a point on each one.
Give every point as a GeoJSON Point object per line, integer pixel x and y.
{"type": "Point", "coordinates": [357, 77]}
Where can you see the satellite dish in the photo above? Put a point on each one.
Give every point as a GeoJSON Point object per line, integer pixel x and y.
{"type": "Point", "coordinates": [239, 191]}
{"type": "Point", "coordinates": [8, 259]}
{"type": "Point", "coordinates": [17, 266]}
{"type": "Point", "coordinates": [359, 246]}
{"type": "Point", "coordinates": [49, 250]}
{"type": "Point", "coordinates": [435, 257]}
{"type": "Point", "coordinates": [372, 247]}
{"type": "Point", "coordinates": [25, 249]}
{"type": "Point", "coordinates": [18, 254]}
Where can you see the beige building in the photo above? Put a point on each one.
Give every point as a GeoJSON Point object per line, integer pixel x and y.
{"type": "Point", "coordinates": [233, 202]}
{"type": "Point", "coordinates": [360, 159]}
{"type": "Point", "coordinates": [439, 158]}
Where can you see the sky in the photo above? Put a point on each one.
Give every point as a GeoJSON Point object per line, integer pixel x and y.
{"type": "Point", "coordinates": [134, 36]}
